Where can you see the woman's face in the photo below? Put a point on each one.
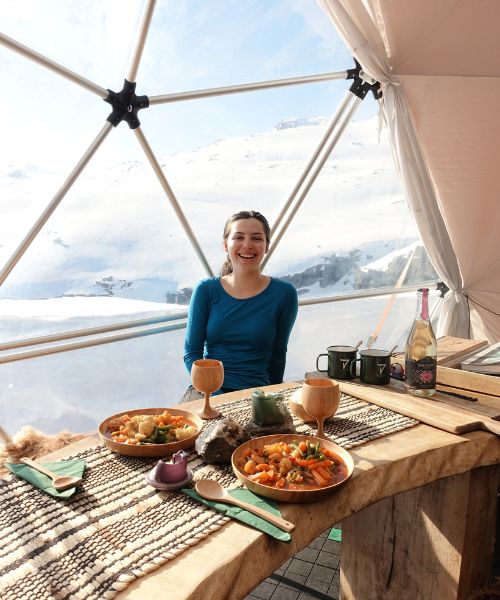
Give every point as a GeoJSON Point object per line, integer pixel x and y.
{"type": "Point", "coordinates": [246, 244]}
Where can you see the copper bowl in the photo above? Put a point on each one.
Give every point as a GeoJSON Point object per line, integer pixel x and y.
{"type": "Point", "coordinates": [150, 450]}
{"type": "Point", "coordinates": [282, 495]}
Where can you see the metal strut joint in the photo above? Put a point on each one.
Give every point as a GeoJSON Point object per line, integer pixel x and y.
{"type": "Point", "coordinates": [363, 83]}
{"type": "Point", "coordinates": [126, 105]}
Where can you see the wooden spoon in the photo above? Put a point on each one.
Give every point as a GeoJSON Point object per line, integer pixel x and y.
{"type": "Point", "coordinates": [60, 482]}
{"type": "Point", "coordinates": [212, 490]}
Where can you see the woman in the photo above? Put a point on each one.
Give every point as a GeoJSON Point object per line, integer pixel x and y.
{"type": "Point", "coordinates": [242, 318]}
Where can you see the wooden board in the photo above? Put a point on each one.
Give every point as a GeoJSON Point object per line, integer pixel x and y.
{"type": "Point", "coordinates": [452, 351]}
{"type": "Point", "coordinates": [473, 400]}
{"type": "Point", "coordinates": [485, 384]}
{"type": "Point", "coordinates": [438, 414]}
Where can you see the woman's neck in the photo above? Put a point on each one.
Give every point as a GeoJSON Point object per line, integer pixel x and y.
{"type": "Point", "coordinates": [244, 285]}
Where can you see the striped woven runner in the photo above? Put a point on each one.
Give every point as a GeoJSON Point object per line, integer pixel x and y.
{"type": "Point", "coordinates": [117, 528]}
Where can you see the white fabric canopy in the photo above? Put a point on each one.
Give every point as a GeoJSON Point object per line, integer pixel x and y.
{"type": "Point", "coordinates": [439, 65]}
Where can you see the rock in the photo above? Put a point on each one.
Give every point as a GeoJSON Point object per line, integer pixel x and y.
{"type": "Point", "coordinates": [217, 443]}
{"type": "Point", "coordinates": [255, 430]}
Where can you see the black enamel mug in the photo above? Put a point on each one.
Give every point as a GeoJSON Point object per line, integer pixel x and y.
{"type": "Point", "coordinates": [375, 366]}
{"type": "Point", "coordinates": [341, 362]}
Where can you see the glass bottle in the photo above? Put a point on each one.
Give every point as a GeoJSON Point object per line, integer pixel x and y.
{"type": "Point", "coordinates": [421, 351]}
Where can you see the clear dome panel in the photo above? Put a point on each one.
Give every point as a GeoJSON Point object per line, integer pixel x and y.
{"type": "Point", "coordinates": [254, 170]}
{"type": "Point", "coordinates": [354, 229]}
{"type": "Point", "coordinates": [51, 125]}
{"type": "Point", "coordinates": [81, 388]}
{"type": "Point", "coordinates": [77, 390]}
{"type": "Point", "coordinates": [114, 234]}
{"type": "Point", "coordinates": [197, 44]}
{"type": "Point", "coordinates": [94, 39]}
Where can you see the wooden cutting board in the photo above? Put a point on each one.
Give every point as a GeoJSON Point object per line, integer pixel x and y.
{"type": "Point", "coordinates": [452, 351]}
{"type": "Point", "coordinates": [431, 412]}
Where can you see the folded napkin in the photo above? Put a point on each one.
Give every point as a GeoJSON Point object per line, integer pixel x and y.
{"type": "Point", "coordinates": [240, 514]}
{"type": "Point", "coordinates": [74, 468]}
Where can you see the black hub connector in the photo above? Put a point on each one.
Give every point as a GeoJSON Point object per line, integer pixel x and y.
{"type": "Point", "coordinates": [442, 288]}
{"type": "Point", "coordinates": [360, 86]}
{"type": "Point", "coordinates": [126, 105]}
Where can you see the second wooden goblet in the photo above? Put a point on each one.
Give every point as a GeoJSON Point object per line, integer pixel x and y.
{"type": "Point", "coordinates": [320, 399]}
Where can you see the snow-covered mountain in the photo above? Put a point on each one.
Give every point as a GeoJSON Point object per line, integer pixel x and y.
{"type": "Point", "coordinates": [115, 232]}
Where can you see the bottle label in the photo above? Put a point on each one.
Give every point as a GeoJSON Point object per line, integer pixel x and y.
{"type": "Point", "coordinates": [421, 374]}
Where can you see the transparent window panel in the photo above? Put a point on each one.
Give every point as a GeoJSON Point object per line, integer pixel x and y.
{"type": "Point", "coordinates": [256, 169]}
{"type": "Point", "coordinates": [201, 44]}
{"type": "Point", "coordinates": [50, 124]}
{"type": "Point", "coordinates": [22, 319]}
{"type": "Point", "coordinates": [77, 390]}
{"type": "Point", "coordinates": [113, 234]}
{"type": "Point", "coordinates": [93, 39]}
{"type": "Point", "coordinates": [354, 229]}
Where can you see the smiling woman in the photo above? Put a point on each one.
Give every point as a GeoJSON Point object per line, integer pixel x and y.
{"type": "Point", "coordinates": [242, 318]}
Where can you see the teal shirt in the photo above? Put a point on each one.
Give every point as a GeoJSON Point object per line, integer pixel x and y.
{"type": "Point", "coordinates": [249, 336]}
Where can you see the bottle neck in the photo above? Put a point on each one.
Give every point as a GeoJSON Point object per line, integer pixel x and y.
{"type": "Point", "coordinates": [422, 312]}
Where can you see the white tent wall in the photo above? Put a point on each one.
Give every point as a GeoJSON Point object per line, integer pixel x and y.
{"type": "Point", "coordinates": [439, 65]}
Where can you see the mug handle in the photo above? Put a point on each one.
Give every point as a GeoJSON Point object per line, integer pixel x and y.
{"type": "Point", "coordinates": [317, 364]}
{"type": "Point", "coordinates": [353, 366]}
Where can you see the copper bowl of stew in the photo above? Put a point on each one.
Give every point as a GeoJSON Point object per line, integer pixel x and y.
{"type": "Point", "coordinates": [151, 450]}
{"type": "Point", "coordinates": [299, 468]}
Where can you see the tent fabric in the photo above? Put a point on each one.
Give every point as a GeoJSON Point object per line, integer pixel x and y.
{"type": "Point", "coordinates": [439, 65]}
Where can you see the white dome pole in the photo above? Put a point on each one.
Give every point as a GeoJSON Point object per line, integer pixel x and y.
{"type": "Point", "coordinates": [141, 40]}
{"type": "Point", "coordinates": [52, 65]}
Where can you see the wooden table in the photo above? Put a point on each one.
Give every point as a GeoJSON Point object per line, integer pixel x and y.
{"type": "Point", "coordinates": [418, 514]}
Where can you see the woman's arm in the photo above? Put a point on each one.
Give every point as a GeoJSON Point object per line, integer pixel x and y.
{"type": "Point", "coordinates": [286, 319]}
{"type": "Point", "coordinates": [194, 342]}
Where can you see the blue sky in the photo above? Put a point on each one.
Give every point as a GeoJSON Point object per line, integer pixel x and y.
{"type": "Point", "coordinates": [192, 44]}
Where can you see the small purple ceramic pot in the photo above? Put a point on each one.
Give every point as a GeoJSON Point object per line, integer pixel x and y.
{"type": "Point", "coordinates": [172, 472]}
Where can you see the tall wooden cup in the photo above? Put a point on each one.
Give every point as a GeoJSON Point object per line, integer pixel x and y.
{"type": "Point", "coordinates": [207, 376]}
{"type": "Point", "coordinates": [320, 399]}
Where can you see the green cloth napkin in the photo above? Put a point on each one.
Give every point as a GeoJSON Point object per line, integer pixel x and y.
{"type": "Point", "coordinates": [335, 535]}
{"type": "Point", "coordinates": [44, 483]}
{"type": "Point", "coordinates": [235, 512]}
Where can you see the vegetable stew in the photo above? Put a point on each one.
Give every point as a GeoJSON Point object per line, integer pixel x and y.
{"type": "Point", "coordinates": [300, 465]}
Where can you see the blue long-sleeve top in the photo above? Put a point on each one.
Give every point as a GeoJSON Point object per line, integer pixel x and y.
{"type": "Point", "coordinates": [250, 336]}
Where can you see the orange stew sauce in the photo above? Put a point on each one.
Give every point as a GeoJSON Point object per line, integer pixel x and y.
{"type": "Point", "coordinates": [295, 466]}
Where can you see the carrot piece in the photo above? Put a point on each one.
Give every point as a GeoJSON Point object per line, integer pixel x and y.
{"type": "Point", "coordinates": [262, 467]}
{"type": "Point", "coordinates": [319, 479]}
{"type": "Point", "coordinates": [263, 477]}
{"type": "Point", "coordinates": [302, 446]}
{"type": "Point", "coordinates": [247, 452]}
{"type": "Point", "coordinates": [309, 462]}
{"type": "Point", "coordinates": [321, 463]}
{"type": "Point", "coordinates": [324, 473]}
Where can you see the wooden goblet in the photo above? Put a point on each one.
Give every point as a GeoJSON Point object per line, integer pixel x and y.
{"type": "Point", "coordinates": [320, 399]}
{"type": "Point", "coordinates": [207, 376]}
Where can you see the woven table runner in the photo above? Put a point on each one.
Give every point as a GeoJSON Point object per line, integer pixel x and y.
{"type": "Point", "coordinates": [118, 528]}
